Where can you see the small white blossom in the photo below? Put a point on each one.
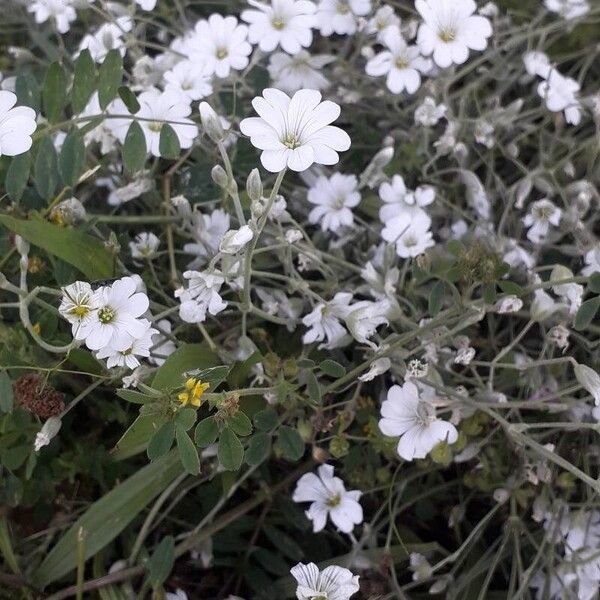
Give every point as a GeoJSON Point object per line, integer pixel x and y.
{"type": "Point", "coordinates": [540, 217]}
{"type": "Point", "coordinates": [561, 94]}
{"type": "Point", "coordinates": [324, 322]}
{"type": "Point", "coordinates": [201, 296]}
{"type": "Point", "coordinates": [144, 246]}
{"type": "Point", "coordinates": [383, 19]}
{"type": "Point", "coordinates": [189, 79]}
{"type": "Point", "coordinates": [429, 113]}
{"type": "Point", "coordinates": [508, 304]}
{"type": "Point", "coordinates": [333, 583]}
{"type": "Point", "coordinates": [17, 124]}
{"type": "Point", "coordinates": [128, 357]}
{"type": "Point", "coordinates": [233, 241]}
{"type": "Point", "coordinates": [568, 9]}
{"type": "Point", "coordinates": [60, 11]}
{"type": "Point", "coordinates": [340, 16]}
{"type": "Point", "coordinates": [301, 71]}
{"type": "Point", "coordinates": [334, 197]}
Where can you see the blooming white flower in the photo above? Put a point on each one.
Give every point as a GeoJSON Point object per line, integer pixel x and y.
{"type": "Point", "coordinates": [140, 184]}
{"type": "Point", "coordinates": [364, 318]}
{"type": "Point", "coordinates": [329, 498]}
{"type": "Point", "coordinates": [17, 123]}
{"type": "Point", "coordinates": [542, 214]}
{"type": "Point", "coordinates": [128, 357]}
{"type": "Point", "coordinates": [450, 30]}
{"type": "Point", "coordinates": [333, 583]}
{"type": "Point", "coordinates": [340, 16]}
{"type": "Point", "coordinates": [402, 64]}
{"type": "Point", "coordinates": [201, 296]}
{"type": "Point", "coordinates": [570, 293]}
{"type": "Point", "coordinates": [537, 63]}
{"type": "Point", "coordinates": [568, 9]}
{"type": "Point", "coordinates": [295, 132]}
{"type": "Point", "coordinates": [208, 231]}
{"type": "Point", "coordinates": [412, 238]}
{"type": "Point", "coordinates": [190, 79]}
{"type": "Point", "coordinates": [109, 36]}
{"type": "Point", "coordinates": [428, 113]}
{"type": "Point", "coordinates": [334, 198]}
{"type": "Point", "coordinates": [293, 73]}
{"type": "Point", "coordinates": [144, 245]}
{"type": "Point", "coordinates": [402, 203]}
{"type": "Point", "coordinates": [77, 305]}
{"type": "Point", "coordinates": [163, 346]}
{"type": "Point", "coordinates": [405, 414]}
{"type": "Point", "coordinates": [220, 42]}
{"type": "Point", "coordinates": [383, 19]}
{"type": "Point", "coordinates": [61, 11]}
{"type": "Point", "coordinates": [324, 322]}
{"type": "Point", "coordinates": [233, 241]}
{"type": "Point", "coordinates": [560, 94]}
{"type": "Point", "coordinates": [146, 4]}
{"type": "Point", "coordinates": [285, 23]}
{"type": "Point", "coordinates": [592, 261]}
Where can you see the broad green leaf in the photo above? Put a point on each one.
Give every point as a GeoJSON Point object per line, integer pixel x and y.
{"type": "Point", "coordinates": [17, 176]}
{"type": "Point", "coordinates": [13, 458]}
{"type": "Point", "coordinates": [231, 451]}
{"type": "Point", "coordinates": [45, 169]}
{"type": "Point", "coordinates": [240, 423]}
{"type": "Point", "coordinates": [168, 144]}
{"type": "Point", "coordinates": [332, 368]}
{"type": "Point", "coordinates": [586, 313]}
{"type": "Point", "coordinates": [594, 283]}
{"type": "Point", "coordinates": [110, 76]}
{"type": "Point", "coordinates": [85, 361]}
{"type": "Point", "coordinates": [6, 393]}
{"type": "Point", "coordinates": [206, 432]}
{"type": "Point", "coordinates": [54, 92]}
{"type": "Point", "coordinates": [187, 452]}
{"type": "Point", "coordinates": [107, 517]}
{"type": "Point", "coordinates": [161, 442]}
{"type": "Point", "coordinates": [135, 397]}
{"type": "Point", "coordinates": [435, 298]}
{"type": "Point", "coordinates": [84, 81]}
{"type": "Point", "coordinates": [509, 287]}
{"type": "Point", "coordinates": [313, 387]}
{"type": "Point", "coordinates": [284, 543]}
{"type": "Point", "coordinates": [79, 249]}
{"type": "Point", "coordinates": [292, 445]}
{"type": "Point", "coordinates": [161, 562]}
{"type": "Point", "coordinates": [266, 419]}
{"type": "Point", "coordinates": [306, 363]}
{"type": "Point", "coordinates": [134, 148]}
{"type": "Point", "coordinates": [72, 158]}
{"type": "Point", "coordinates": [186, 358]}
{"type": "Point", "coordinates": [489, 293]}
{"type": "Point", "coordinates": [129, 99]}
{"type": "Point", "coordinates": [186, 418]}
{"type": "Point", "coordinates": [258, 449]}
{"type": "Point", "coordinates": [213, 376]}
{"type": "Point", "coordinates": [27, 90]}
{"type": "Point", "coordinates": [137, 436]}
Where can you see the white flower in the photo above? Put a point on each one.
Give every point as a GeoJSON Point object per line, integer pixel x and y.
{"type": "Point", "coordinates": [177, 595]}
{"type": "Point", "coordinates": [48, 431]}
{"type": "Point", "coordinates": [568, 9]}
{"type": "Point", "coordinates": [464, 356]}
{"type": "Point", "coordinates": [201, 296]}
{"type": "Point", "coordinates": [109, 36]}
{"type": "Point", "coordinates": [190, 79]}
{"type": "Point", "coordinates": [537, 63]}
{"type": "Point", "coordinates": [295, 132]}
{"type": "Point", "coordinates": [293, 73]}
{"type": "Point", "coordinates": [508, 304]}
{"type": "Point", "coordinates": [103, 132]}
{"type": "Point", "coordinates": [334, 198]}
{"type": "Point", "coordinates": [158, 108]}
{"type": "Point", "coordinates": [324, 322]}
{"type": "Point", "coordinates": [127, 357]}
{"type": "Point", "coordinates": [208, 231]}
{"type": "Point", "coordinates": [364, 318]}
{"type": "Point", "coordinates": [77, 305]}
{"type": "Point", "coordinates": [334, 583]}
{"type": "Point", "coordinates": [134, 189]}
{"type": "Point", "coordinates": [450, 30]}
{"type": "Point", "coordinates": [233, 241]}
{"type": "Point", "coordinates": [340, 16]}
{"type": "Point", "coordinates": [163, 346]}
{"type": "Point", "coordinates": [592, 261]}
{"type": "Point", "coordinates": [61, 11]}
{"type": "Point", "coordinates": [402, 64]}
{"type": "Point", "coordinates": [571, 293]}
{"type": "Point", "coordinates": [540, 217]}
{"type": "Point", "coordinates": [285, 23]}
{"type": "Point", "coordinates": [114, 320]}
{"type": "Point", "coordinates": [428, 113]}
{"type": "Point", "coordinates": [383, 19]}
{"type": "Point", "coordinates": [560, 94]}
{"type": "Point", "coordinates": [405, 414]}
{"type": "Point", "coordinates": [378, 367]}
{"type": "Point", "coordinates": [144, 245]}
{"type": "Point", "coordinates": [411, 238]}
{"type": "Point", "coordinates": [329, 497]}
{"type": "Point", "coordinates": [146, 4]}
{"type": "Point", "coordinates": [17, 123]}
{"type": "Point", "coordinates": [401, 203]}
{"type": "Point", "coordinates": [221, 43]}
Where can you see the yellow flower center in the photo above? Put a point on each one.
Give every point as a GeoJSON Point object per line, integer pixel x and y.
{"type": "Point", "coordinates": [401, 63]}
{"type": "Point", "coordinates": [278, 23]}
{"type": "Point", "coordinates": [334, 501]}
{"type": "Point", "coordinates": [155, 126]}
{"type": "Point", "coordinates": [447, 34]}
{"type": "Point", "coordinates": [291, 141]}
{"type": "Point", "coordinates": [106, 314]}
{"type": "Point", "coordinates": [80, 311]}
{"type": "Point", "coordinates": [221, 53]}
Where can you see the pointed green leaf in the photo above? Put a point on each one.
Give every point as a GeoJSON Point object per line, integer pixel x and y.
{"type": "Point", "coordinates": [168, 144]}
{"type": "Point", "coordinates": [137, 436]}
{"type": "Point", "coordinates": [586, 313]}
{"type": "Point", "coordinates": [135, 397]}
{"type": "Point", "coordinates": [54, 92]}
{"type": "Point", "coordinates": [332, 368]}
{"type": "Point", "coordinates": [187, 452]}
{"type": "Point", "coordinates": [186, 358]}
{"type": "Point", "coordinates": [206, 432]}
{"type": "Point", "coordinates": [594, 283]}
{"type": "Point", "coordinates": [72, 158]}
{"type": "Point", "coordinates": [45, 170]}
{"type": "Point", "coordinates": [231, 451]}
{"type": "Point", "coordinates": [161, 562]}
{"type": "Point", "coordinates": [17, 176]}
{"type": "Point", "coordinates": [313, 387]}
{"type": "Point", "coordinates": [129, 99]}
{"type": "Point", "coordinates": [84, 81]}
{"type": "Point", "coordinates": [161, 441]}
{"type": "Point", "coordinates": [258, 448]}
{"type": "Point", "coordinates": [292, 445]}
{"type": "Point", "coordinates": [134, 148]}
{"type": "Point", "coordinates": [110, 76]}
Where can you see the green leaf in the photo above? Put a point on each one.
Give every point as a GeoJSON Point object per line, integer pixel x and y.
{"type": "Point", "coordinates": [161, 442]}
{"type": "Point", "coordinates": [594, 283]}
{"type": "Point", "coordinates": [84, 252]}
{"type": "Point", "coordinates": [72, 158]}
{"type": "Point", "coordinates": [258, 449]}
{"type": "Point", "coordinates": [187, 452]}
{"type": "Point", "coordinates": [54, 92]}
{"type": "Point", "coordinates": [184, 359]}
{"type": "Point", "coordinates": [313, 387]}
{"type": "Point", "coordinates": [186, 418]}
{"type": "Point", "coordinates": [509, 287]}
{"type": "Point", "coordinates": [586, 313]}
{"type": "Point", "coordinates": [214, 376]}
{"type": "Point", "coordinates": [206, 432]}
{"type": "Point", "coordinates": [284, 543]}
{"type": "Point", "coordinates": [266, 419]}
{"type": "Point", "coordinates": [6, 393]}
{"type": "Point", "coordinates": [231, 451]}
{"type": "Point", "coordinates": [134, 397]}
{"type": "Point", "coordinates": [489, 293]}
{"type": "Point", "coordinates": [240, 423]}
{"type": "Point", "coordinates": [45, 169]}
{"type": "Point", "coordinates": [129, 99]}
{"type": "Point", "coordinates": [108, 517]}
{"type": "Point", "coordinates": [136, 438]}
{"type": "Point", "coordinates": [17, 176]}
{"type": "Point", "coordinates": [168, 144]}
{"type": "Point", "coordinates": [306, 363]}
{"type": "Point", "coordinates": [110, 76]}
{"type": "Point", "coordinates": [435, 298]}
{"type": "Point", "coordinates": [84, 81]}
{"type": "Point", "coordinates": [292, 445]}
{"type": "Point", "coordinates": [27, 90]}
{"type": "Point", "coordinates": [134, 148]}
{"type": "Point", "coordinates": [332, 368]}
{"type": "Point", "coordinates": [161, 562]}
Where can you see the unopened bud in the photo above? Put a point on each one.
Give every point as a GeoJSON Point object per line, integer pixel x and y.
{"type": "Point", "coordinates": [219, 176]}
{"type": "Point", "coordinates": [211, 123]}
{"type": "Point", "coordinates": [254, 186]}
{"type": "Point", "coordinates": [590, 380]}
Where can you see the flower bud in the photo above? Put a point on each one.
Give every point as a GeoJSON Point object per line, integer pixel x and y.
{"type": "Point", "coordinates": [211, 123]}
{"type": "Point", "coordinates": [590, 380]}
{"type": "Point", "coordinates": [254, 186]}
{"type": "Point", "coordinates": [233, 241]}
{"type": "Point", "coordinates": [219, 176]}
{"type": "Point", "coordinates": [49, 430]}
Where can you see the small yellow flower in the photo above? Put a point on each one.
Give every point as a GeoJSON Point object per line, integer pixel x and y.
{"type": "Point", "coordinates": [193, 391]}
{"type": "Point", "coordinates": [37, 328]}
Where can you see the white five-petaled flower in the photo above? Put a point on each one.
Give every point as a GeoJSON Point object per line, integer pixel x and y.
{"type": "Point", "coordinates": [109, 36]}
{"type": "Point", "coordinates": [77, 305]}
{"type": "Point", "coordinates": [144, 246]}
{"type": "Point", "coordinates": [568, 9]}
{"type": "Point", "coordinates": [128, 357]}
{"type": "Point", "coordinates": [293, 73]}
{"type": "Point", "coordinates": [61, 11]}
{"type": "Point", "coordinates": [201, 296]}
{"type": "Point", "coordinates": [402, 203]}
{"type": "Point", "coordinates": [295, 132]}
{"type": "Point", "coordinates": [542, 214]}
{"type": "Point", "coordinates": [220, 42]}
{"type": "Point", "coordinates": [405, 414]}
{"type": "Point", "coordinates": [285, 23]}
{"type": "Point", "coordinates": [428, 113]}
{"type": "Point", "coordinates": [17, 123]}
{"type": "Point", "coordinates": [207, 231]}
{"type": "Point", "coordinates": [329, 497]}
{"type": "Point", "coordinates": [561, 94]}
{"type": "Point", "coordinates": [384, 18]}
{"type": "Point", "coordinates": [333, 583]}
{"type": "Point", "coordinates": [324, 322]}
{"type": "Point", "coordinates": [334, 197]}
{"type": "Point", "coordinates": [190, 79]}
{"type": "Point", "coordinates": [340, 16]}
{"type": "Point", "coordinates": [537, 63]}
{"type": "Point", "coordinates": [450, 30]}
{"type": "Point", "coordinates": [402, 64]}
